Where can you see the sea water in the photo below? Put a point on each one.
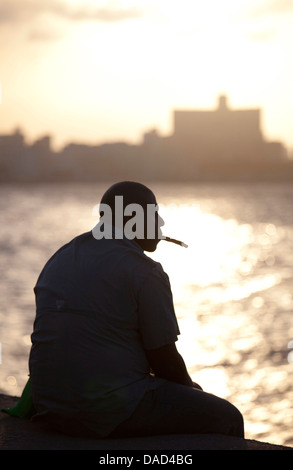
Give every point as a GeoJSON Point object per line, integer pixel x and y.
{"type": "Point", "coordinates": [232, 286]}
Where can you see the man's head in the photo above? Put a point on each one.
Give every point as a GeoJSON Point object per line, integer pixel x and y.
{"type": "Point", "coordinates": [134, 205]}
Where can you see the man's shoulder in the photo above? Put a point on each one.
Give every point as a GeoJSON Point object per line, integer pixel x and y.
{"type": "Point", "coordinates": [138, 254]}
{"type": "Point", "coordinates": [79, 239]}
{"type": "Point", "coordinates": [149, 270]}
{"type": "Point", "coordinates": [133, 259]}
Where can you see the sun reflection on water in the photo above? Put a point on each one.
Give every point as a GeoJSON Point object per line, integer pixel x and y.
{"type": "Point", "coordinates": [227, 295]}
{"type": "Point", "coordinates": [219, 253]}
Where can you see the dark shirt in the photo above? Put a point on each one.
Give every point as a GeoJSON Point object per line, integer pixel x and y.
{"type": "Point", "coordinates": [99, 305]}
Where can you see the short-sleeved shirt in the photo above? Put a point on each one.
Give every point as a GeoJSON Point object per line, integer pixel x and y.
{"type": "Point", "coordinates": [99, 305]}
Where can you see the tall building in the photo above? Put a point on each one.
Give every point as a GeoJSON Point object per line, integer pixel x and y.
{"type": "Point", "coordinates": [222, 132]}
{"type": "Point", "coordinates": [223, 139]}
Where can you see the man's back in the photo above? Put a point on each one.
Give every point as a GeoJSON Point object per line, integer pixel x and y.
{"type": "Point", "coordinates": [92, 325]}
{"type": "Point", "coordinates": [105, 314]}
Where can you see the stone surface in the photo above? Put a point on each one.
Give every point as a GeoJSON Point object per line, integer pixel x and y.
{"type": "Point", "coordinates": [22, 434]}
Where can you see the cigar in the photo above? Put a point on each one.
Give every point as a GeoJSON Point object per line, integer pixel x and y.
{"type": "Point", "coordinates": [177, 242]}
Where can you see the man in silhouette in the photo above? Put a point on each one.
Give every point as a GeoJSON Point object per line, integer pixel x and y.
{"type": "Point", "coordinates": [104, 360]}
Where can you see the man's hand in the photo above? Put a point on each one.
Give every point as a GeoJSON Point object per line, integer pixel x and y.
{"type": "Point", "coordinates": [167, 363]}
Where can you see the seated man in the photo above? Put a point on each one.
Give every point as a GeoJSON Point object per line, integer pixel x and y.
{"type": "Point", "coordinates": [103, 360]}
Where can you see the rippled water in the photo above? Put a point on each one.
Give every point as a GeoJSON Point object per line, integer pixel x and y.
{"type": "Point", "coordinates": [232, 286]}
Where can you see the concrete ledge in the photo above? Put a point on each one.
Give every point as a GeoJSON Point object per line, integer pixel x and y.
{"type": "Point", "coordinates": [21, 434]}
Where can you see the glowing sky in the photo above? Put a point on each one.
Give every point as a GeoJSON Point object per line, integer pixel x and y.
{"type": "Point", "coordinates": [96, 71]}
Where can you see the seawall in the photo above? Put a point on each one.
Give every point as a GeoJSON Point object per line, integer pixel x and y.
{"type": "Point", "coordinates": [22, 434]}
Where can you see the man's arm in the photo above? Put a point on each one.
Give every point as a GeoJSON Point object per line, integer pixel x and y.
{"type": "Point", "coordinates": [167, 363]}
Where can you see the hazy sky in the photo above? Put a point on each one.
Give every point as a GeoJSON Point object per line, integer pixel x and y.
{"type": "Point", "coordinates": [95, 71]}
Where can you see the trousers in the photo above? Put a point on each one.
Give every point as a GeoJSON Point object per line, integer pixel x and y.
{"type": "Point", "coordinates": [178, 409]}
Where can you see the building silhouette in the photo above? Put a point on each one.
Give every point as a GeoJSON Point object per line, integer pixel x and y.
{"type": "Point", "coordinates": [221, 133]}
{"type": "Point", "coordinates": [219, 143]}
{"type": "Point", "coordinates": [204, 145]}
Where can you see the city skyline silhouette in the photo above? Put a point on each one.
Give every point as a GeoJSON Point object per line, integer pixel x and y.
{"type": "Point", "coordinates": [222, 143]}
